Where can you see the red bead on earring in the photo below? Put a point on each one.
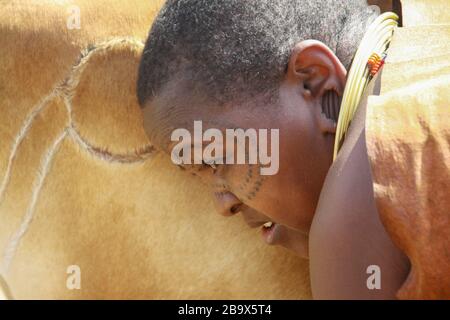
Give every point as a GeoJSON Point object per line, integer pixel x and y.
{"type": "Point", "coordinates": [375, 63]}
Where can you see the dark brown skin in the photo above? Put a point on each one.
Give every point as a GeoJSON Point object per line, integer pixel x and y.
{"type": "Point", "coordinates": [290, 198]}
{"type": "Point", "coordinates": [347, 235]}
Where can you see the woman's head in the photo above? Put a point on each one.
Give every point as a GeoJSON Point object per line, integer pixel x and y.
{"type": "Point", "coordinates": [250, 65]}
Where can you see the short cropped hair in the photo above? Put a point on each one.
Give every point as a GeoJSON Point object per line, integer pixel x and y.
{"type": "Point", "coordinates": [240, 48]}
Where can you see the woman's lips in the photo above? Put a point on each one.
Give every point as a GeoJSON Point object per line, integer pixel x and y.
{"type": "Point", "coordinates": [277, 234]}
{"type": "Point", "coordinates": [271, 231]}
{"type": "Point", "coordinates": [291, 239]}
{"type": "Point", "coordinates": [271, 234]}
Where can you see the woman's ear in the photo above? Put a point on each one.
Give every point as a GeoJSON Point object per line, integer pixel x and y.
{"type": "Point", "coordinates": [313, 63]}
{"type": "Point", "coordinates": [321, 77]}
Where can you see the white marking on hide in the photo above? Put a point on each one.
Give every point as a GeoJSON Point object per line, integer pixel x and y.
{"type": "Point", "coordinates": [107, 156]}
{"type": "Point", "coordinates": [44, 169]}
{"type": "Point", "coordinates": [70, 87]}
{"type": "Point", "coordinates": [65, 90]}
{"type": "Point", "coordinates": [103, 154]}
{"type": "Point", "coordinates": [20, 137]}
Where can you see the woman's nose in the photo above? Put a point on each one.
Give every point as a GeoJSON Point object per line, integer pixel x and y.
{"type": "Point", "coordinates": [227, 204]}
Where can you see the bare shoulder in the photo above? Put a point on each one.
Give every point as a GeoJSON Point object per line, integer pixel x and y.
{"type": "Point", "coordinates": [347, 238]}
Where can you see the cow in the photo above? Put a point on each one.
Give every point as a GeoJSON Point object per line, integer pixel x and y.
{"type": "Point", "coordinates": [89, 208]}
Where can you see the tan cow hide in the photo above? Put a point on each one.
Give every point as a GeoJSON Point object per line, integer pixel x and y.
{"type": "Point", "coordinates": [80, 184]}
{"type": "Point", "coordinates": [408, 135]}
